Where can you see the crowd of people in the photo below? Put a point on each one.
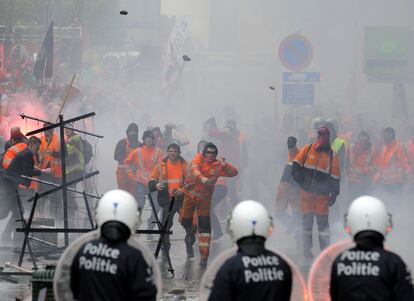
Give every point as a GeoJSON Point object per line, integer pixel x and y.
{"type": "Point", "coordinates": [329, 164]}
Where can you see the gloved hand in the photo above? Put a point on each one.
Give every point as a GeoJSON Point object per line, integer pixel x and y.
{"type": "Point", "coordinates": [291, 142]}
{"type": "Point", "coordinates": [332, 199]}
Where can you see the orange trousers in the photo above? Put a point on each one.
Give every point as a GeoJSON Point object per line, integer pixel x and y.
{"type": "Point", "coordinates": [191, 204]}
{"type": "Point", "coordinates": [191, 207]}
{"type": "Point", "coordinates": [124, 182]}
{"type": "Point", "coordinates": [311, 202]}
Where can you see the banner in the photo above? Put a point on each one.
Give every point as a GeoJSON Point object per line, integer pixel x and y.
{"type": "Point", "coordinates": [173, 62]}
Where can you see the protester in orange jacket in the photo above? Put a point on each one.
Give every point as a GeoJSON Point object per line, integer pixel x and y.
{"type": "Point", "coordinates": [316, 169]}
{"type": "Point", "coordinates": [205, 169]}
{"type": "Point", "coordinates": [167, 178]}
{"type": "Point", "coordinates": [49, 144]}
{"type": "Point", "coordinates": [49, 147]}
{"type": "Point", "coordinates": [361, 167]}
{"type": "Point", "coordinates": [12, 152]}
{"type": "Point", "coordinates": [19, 144]}
{"type": "Point", "coordinates": [10, 179]}
{"type": "Point", "coordinates": [219, 194]}
{"type": "Point", "coordinates": [123, 148]}
{"type": "Point", "coordinates": [393, 169]}
{"type": "Point", "coordinates": [141, 162]}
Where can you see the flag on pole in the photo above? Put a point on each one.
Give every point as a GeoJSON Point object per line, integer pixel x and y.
{"type": "Point", "coordinates": [44, 62]}
{"type": "Point", "coordinates": [173, 61]}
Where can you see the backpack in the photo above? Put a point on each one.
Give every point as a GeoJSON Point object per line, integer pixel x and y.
{"type": "Point", "coordinates": [87, 151]}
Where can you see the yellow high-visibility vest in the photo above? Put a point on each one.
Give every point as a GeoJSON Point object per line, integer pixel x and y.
{"type": "Point", "coordinates": [337, 144]}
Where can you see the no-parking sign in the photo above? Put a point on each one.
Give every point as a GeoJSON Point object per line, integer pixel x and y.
{"type": "Point", "coordinates": [296, 52]}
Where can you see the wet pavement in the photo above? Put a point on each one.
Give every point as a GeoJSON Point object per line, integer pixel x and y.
{"type": "Point", "coordinates": [184, 285]}
{"type": "Point", "coordinates": [186, 281]}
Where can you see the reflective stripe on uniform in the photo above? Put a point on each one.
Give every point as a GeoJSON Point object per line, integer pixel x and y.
{"type": "Point", "coordinates": [174, 181]}
{"type": "Point", "coordinates": [12, 152]}
{"type": "Point", "coordinates": [140, 160]}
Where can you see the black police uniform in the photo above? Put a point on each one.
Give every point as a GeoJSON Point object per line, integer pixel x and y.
{"type": "Point", "coordinates": [368, 272]}
{"type": "Point", "coordinates": [105, 271]}
{"type": "Point", "coordinates": [254, 273]}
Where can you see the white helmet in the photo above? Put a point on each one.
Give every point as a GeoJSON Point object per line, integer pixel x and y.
{"type": "Point", "coordinates": [118, 205]}
{"type": "Point", "coordinates": [367, 213]}
{"type": "Point", "coordinates": [249, 218]}
{"type": "Point", "coordinates": [317, 122]}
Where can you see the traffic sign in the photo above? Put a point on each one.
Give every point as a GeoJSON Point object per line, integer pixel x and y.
{"type": "Point", "coordinates": [307, 77]}
{"type": "Point", "coordinates": [298, 94]}
{"type": "Point", "coordinates": [388, 54]}
{"type": "Point", "coordinates": [296, 52]}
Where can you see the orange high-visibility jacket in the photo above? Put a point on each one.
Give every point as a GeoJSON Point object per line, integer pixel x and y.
{"type": "Point", "coordinates": [171, 173]}
{"type": "Point", "coordinates": [12, 152]}
{"type": "Point", "coordinates": [199, 169]}
{"type": "Point", "coordinates": [317, 171]}
{"type": "Point", "coordinates": [46, 149]}
{"type": "Point", "coordinates": [141, 162]}
{"type": "Point", "coordinates": [122, 150]}
{"type": "Point", "coordinates": [362, 167]}
{"type": "Point", "coordinates": [392, 164]}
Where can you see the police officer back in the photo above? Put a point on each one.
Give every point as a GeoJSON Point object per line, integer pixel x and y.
{"type": "Point", "coordinates": [367, 271]}
{"type": "Point", "coordinates": [253, 273]}
{"type": "Point", "coordinates": [108, 268]}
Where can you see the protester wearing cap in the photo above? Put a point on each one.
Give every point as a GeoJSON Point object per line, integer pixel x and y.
{"type": "Point", "coordinates": [123, 148]}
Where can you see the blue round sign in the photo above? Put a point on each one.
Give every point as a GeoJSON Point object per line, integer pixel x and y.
{"type": "Point", "coordinates": [296, 52]}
